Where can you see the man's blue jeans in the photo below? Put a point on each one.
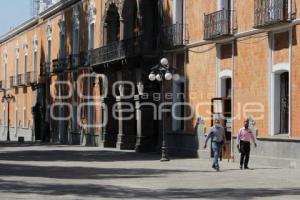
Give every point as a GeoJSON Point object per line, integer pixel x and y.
{"type": "Point", "coordinates": [216, 147]}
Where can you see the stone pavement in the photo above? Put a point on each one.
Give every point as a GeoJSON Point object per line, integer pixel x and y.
{"type": "Point", "coordinates": [74, 172]}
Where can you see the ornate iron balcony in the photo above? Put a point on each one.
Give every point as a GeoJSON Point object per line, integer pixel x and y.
{"type": "Point", "coordinates": [61, 64]}
{"type": "Point", "coordinates": [218, 24]}
{"type": "Point", "coordinates": [1, 85]}
{"type": "Point", "coordinates": [174, 36]}
{"type": "Point", "coordinates": [70, 63]}
{"type": "Point", "coordinates": [21, 80]}
{"type": "Point", "coordinates": [45, 69]}
{"type": "Point", "coordinates": [30, 78]}
{"type": "Point", "coordinates": [13, 81]}
{"type": "Point", "coordinates": [118, 50]}
{"type": "Point", "coordinates": [269, 12]}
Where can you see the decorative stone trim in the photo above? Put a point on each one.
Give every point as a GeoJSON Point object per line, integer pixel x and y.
{"type": "Point", "coordinates": [92, 12]}
{"type": "Point", "coordinates": [49, 31]}
{"type": "Point", "coordinates": [76, 15]}
{"type": "Point", "coordinates": [25, 47]}
{"type": "Point", "coordinates": [35, 43]}
{"type": "Point", "coordinates": [62, 25]}
{"type": "Point", "coordinates": [17, 50]}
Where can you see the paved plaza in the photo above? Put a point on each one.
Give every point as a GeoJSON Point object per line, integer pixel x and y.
{"type": "Point", "coordinates": [68, 172]}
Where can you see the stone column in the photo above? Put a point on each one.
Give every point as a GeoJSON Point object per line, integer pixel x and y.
{"type": "Point", "coordinates": [126, 133]}
{"type": "Point", "coordinates": [103, 123]}
{"type": "Point", "coordinates": [138, 123]}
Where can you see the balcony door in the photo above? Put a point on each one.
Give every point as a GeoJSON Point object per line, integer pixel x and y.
{"type": "Point", "coordinates": [284, 102]}
{"type": "Point", "coordinates": [178, 11]}
{"type": "Point", "coordinates": [223, 17]}
{"type": "Point", "coordinates": [281, 103]}
{"type": "Point", "coordinates": [223, 4]}
{"type": "Point", "coordinates": [113, 24]}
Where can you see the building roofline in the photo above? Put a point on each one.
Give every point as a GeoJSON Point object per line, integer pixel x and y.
{"type": "Point", "coordinates": [34, 20]}
{"type": "Point", "coordinates": [55, 8]}
{"type": "Point", "coordinates": [27, 24]}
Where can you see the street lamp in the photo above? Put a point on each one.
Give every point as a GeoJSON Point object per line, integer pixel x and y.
{"type": "Point", "coordinates": [8, 98]}
{"type": "Point", "coordinates": [160, 73]}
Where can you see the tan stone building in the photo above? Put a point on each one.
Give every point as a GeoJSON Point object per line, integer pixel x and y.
{"type": "Point", "coordinates": [235, 59]}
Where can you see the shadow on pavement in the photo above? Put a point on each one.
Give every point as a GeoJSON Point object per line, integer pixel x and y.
{"type": "Point", "coordinates": [59, 172]}
{"type": "Point", "coordinates": [101, 155]}
{"type": "Point", "coordinates": [109, 191]}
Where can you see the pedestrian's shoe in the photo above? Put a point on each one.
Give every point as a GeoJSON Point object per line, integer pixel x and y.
{"type": "Point", "coordinates": [246, 167]}
{"type": "Point", "coordinates": [217, 169]}
{"type": "Point", "coordinates": [241, 167]}
{"type": "Point", "coordinates": [213, 166]}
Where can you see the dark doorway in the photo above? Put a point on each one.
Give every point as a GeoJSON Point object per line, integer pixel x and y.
{"type": "Point", "coordinates": [284, 103]}
{"type": "Point", "coordinates": [113, 24]}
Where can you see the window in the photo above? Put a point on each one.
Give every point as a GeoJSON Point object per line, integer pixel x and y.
{"type": "Point", "coordinates": [49, 56]}
{"type": "Point", "coordinates": [5, 75]}
{"type": "Point", "coordinates": [223, 4]}
{"type": "Point", "coordinates": [62, 45]}
{"type": "Point", "coordinates": [25, 64]}
{"type": "Point", "coordinates": [76, 42]}
{"type": "Point", "coordinates": [35, 66]}
{"type": "Point", "coordinates": [91, 36]}
{"type": "Point", "coordinates": [178, 11]}
{"type": "Point", "coordinates": [17, 70]}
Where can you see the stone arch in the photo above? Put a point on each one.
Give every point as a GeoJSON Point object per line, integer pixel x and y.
{"type": "Point", "coordinates": [281, 67]}
{"type": "Point", "coordinates": [108, 4]}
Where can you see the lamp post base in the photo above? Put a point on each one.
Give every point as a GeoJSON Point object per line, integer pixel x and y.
{"type": "Point", "coordinates": [164, 160]}
{"type": "Point", "coordinates": [164, 155]}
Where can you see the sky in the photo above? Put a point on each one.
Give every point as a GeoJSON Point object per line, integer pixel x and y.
{"type": "Point", "coordinates": [13, 13]}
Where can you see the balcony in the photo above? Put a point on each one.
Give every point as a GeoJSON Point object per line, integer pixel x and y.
{"type": "Point", "coordinates": [60, 65]}
{"type": "Point", "coordinates": [70, 63]}
{"type": "Point", "coordinates": [45, 69]}
{"type": "Point", "coordinates": [21, 80]}
{"type": "Point", "coordinates": [120, 50]}
{"type": "Point", "coordinates": [13, 81]}
{"type": "Point", "coordinates": [270, 12]}
{"type": "Point", "coordinates": [218, 24]}
{"type": "Point", "coordinates": [2, 85]}
{"type": "Point", "coordinates": [30, 78]}
{"type": "Point", "coordinates": [174, 36]}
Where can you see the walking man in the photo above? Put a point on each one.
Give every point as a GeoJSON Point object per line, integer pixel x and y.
{"type": "Point", "coordinates": [244, 137]}
{"type": "Point", "coordinates": [217, 135]}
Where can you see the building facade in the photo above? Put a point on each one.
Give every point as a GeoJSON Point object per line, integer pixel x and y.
{"type": "Point", "coordinates": [79, 74]}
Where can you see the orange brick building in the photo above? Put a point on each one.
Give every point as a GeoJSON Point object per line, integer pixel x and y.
{"type": "Point", "coordinates": [235, 59]}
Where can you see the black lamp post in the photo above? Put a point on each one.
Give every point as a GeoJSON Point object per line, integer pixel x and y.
{"type": "Point", "coordinates": [160, 73]}
{"type": "Point", "coordinates": [8, 98]}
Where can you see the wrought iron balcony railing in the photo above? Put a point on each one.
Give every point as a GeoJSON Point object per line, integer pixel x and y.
{"type": "Point", "coordinates": [30, 78]}
{"type": "Point", "coordinates": [111, 52]}
{"type": "Point", "coordinates": [71, 62]}
{"type": "Point", "coordinates": [21, 80]}
{"type": "Point", "coordinates": [174, 36]}
{"type": "Point", "coordinates": [61, 64]}
{"type": "Point", "coordinates": [13, 81]}
{"type": "Point", "coordinates": [120, 50]}
{"type": "Point", "coordinates": [1, 85]}
{"type": "Point", "coordinates": [219, 24]}
{"type": "Point", "coordinates": [45, 69]}
{"type": "Point", "coordinates": [269, 12]}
